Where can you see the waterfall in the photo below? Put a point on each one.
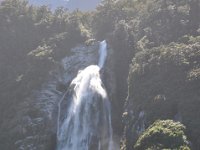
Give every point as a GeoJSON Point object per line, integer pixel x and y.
{"type": "Point", "coordinates": [102, 53]}
{"type": "Point", "coordinates": [87, 125]}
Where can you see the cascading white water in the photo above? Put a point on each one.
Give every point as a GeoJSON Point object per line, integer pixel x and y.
{"type": "Point", "coordinates": [87, 125]}
{"type": "Point", "coordinates": [102, 53]}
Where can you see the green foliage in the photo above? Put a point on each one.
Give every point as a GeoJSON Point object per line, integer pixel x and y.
{"type": "Point", "coordinates": [160, 21]}
{"type": "Point", "coordinates": [29, 31]}
{"type": "Point", "coordinates": [163, 78]}
{"type": "Point", "coordinates": [41, 51]}
{"type": "Point", "coordinates": [162, 71]}
{"type": "Point", "coordinates": [32, 41]}
{"type": "Point", "coordinates": [108, 14]}
{"type": "Point", "coordinates": [163, 82]}
{"type": "Point", "coordinates": [166, 135]}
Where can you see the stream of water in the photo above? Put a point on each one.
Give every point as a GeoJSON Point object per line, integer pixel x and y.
{"type": "Point", "coordinates": [87, 125]}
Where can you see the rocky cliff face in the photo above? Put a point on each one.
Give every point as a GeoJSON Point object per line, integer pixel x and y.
{"type": "Point", "coordinates": [164, 84]}
{"type": "Point", "coordinates": [34, 124]}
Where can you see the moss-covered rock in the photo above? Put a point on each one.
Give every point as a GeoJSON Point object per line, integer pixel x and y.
{"type": "Point", "coordinates": [165, 134]}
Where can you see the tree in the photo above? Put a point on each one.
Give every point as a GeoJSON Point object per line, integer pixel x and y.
{"type": "Point", "coordinates": [163, 82]}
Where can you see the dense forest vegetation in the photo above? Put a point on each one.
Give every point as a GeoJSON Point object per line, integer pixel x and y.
{"type": "Point", "coordinates": [32, 41]}
{"type": "Point", "coordinates": [156, 57]}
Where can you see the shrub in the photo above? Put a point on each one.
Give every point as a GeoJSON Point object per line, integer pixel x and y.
{"type": "Point", "coordinates": [165, 134]}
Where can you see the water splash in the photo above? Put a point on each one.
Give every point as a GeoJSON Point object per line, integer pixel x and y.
{"type": "Point", "coordinates": [87, 125]}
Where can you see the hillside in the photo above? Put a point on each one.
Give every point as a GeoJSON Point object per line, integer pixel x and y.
{"type": "Point", "coordinates": [151, 73]}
